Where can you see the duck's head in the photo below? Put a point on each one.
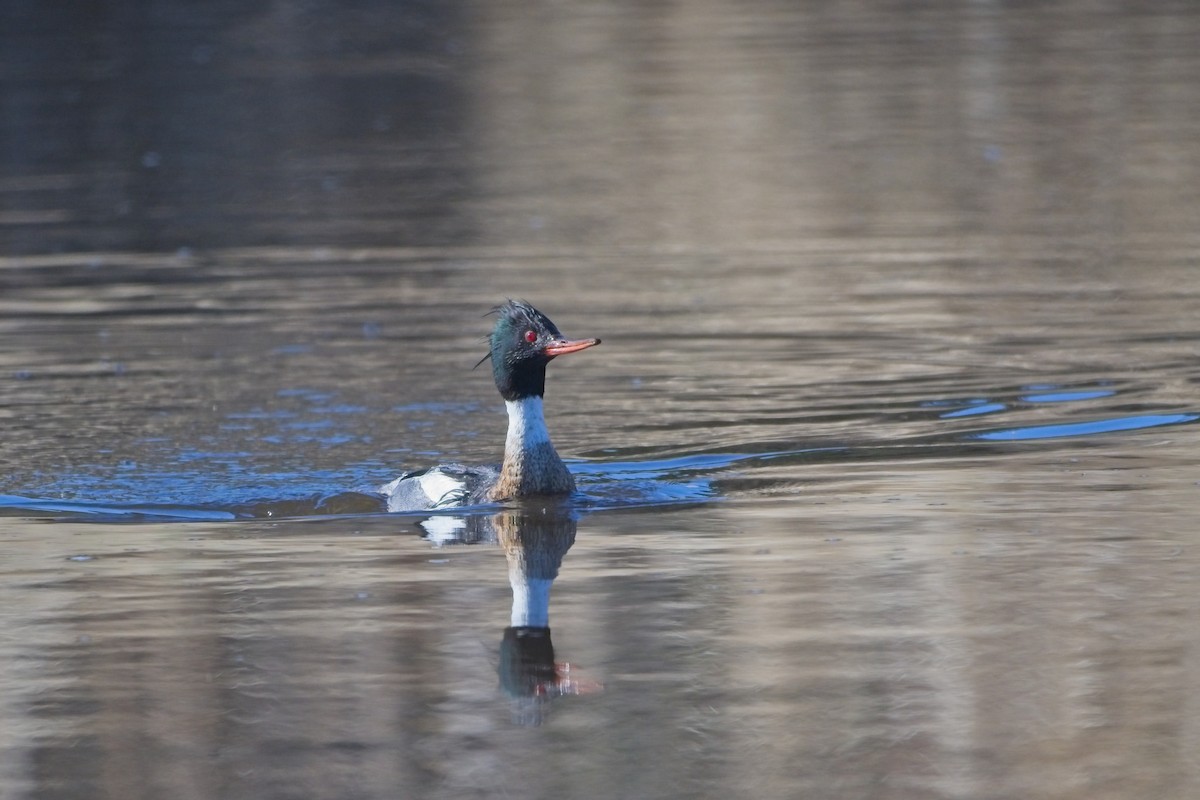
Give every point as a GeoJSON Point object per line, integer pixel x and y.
{"type": "Point", "coordinates": [523, 342]}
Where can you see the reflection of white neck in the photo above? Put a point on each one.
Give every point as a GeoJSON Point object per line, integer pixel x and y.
{"type": "Point", "coordinates": [526, 425]}
{"type": "Point", "coordinates": [531, 600]}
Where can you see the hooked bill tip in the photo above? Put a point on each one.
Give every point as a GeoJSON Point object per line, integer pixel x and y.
{"type": "Point", "coordinates": [569, 346]}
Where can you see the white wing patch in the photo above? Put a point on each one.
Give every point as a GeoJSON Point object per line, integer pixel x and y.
{"type": "Point", "coordinates": [441, 489]}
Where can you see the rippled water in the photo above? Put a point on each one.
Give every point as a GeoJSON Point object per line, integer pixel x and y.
{"type": "Point", "coordinates": [886, 466]}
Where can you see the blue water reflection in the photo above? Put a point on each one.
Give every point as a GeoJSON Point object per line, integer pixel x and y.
{"type": "Point", "coordinates": [1047, 394]}
{"type": "Point", "coordinates": [975, 410]}
{"type": "Point", "coordinates": [1089, 428]}
{"type": "Point", "coordinates": [1067, 397]}
{"type": "Point", "coordinates": [230, 483]}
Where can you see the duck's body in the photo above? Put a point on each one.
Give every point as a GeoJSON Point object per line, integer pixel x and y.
{"type": "Point", "coordinates": [443, 486]}
{"type": "Point", "coordinates": [522, 343]}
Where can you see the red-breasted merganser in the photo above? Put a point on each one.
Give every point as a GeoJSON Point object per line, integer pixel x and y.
{"type": "Point", "coordinates": [523, 342]}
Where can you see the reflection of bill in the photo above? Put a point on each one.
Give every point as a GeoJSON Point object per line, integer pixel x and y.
{"type": "Point", "coordinates": [528, 669]}
{"type": "Point", "coordinates": [535, 537]}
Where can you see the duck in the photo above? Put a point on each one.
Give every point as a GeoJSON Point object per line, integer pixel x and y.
{"type": "Point", "coordinates": [522, 343]}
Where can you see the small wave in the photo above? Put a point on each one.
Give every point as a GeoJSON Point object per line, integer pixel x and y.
{"type": "Point", "coordinates": [1067, 397]}
{"type": "Point", "coordinates": [975, 410]}
{"type": "Point", "coordinates": [16, 504]}
{"type": "Point", "coordinates": [603, 485]}
{"type": "Point", "coordinates": [1090, 428]}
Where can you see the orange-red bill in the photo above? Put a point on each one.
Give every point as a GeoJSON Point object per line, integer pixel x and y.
{"type": "Point", "coordinates": [564, 346]}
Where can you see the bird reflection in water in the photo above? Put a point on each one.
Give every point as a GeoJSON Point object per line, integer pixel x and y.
{"type": "Point", "coordinates": [534, 536]}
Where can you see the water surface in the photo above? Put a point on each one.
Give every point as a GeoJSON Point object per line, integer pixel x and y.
{"type": "Point", "coordinates": [886, 464]}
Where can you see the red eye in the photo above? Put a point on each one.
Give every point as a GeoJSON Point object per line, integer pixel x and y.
{"type": "Point", "coordinates": [530, 336]}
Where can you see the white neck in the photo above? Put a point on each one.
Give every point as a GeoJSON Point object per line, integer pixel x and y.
{"type": "Point", "coordinates": [526, 425]}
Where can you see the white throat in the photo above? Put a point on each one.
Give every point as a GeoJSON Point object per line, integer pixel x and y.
{"type": "Point", "coordinates": [526, 425]}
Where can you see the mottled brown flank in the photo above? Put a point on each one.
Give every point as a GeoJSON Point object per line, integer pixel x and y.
{"type": "Point", "coordinates": [538, 470]}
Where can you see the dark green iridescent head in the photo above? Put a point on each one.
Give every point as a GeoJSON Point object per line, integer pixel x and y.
{"type": "Point", "coordinates": [523, 342]}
